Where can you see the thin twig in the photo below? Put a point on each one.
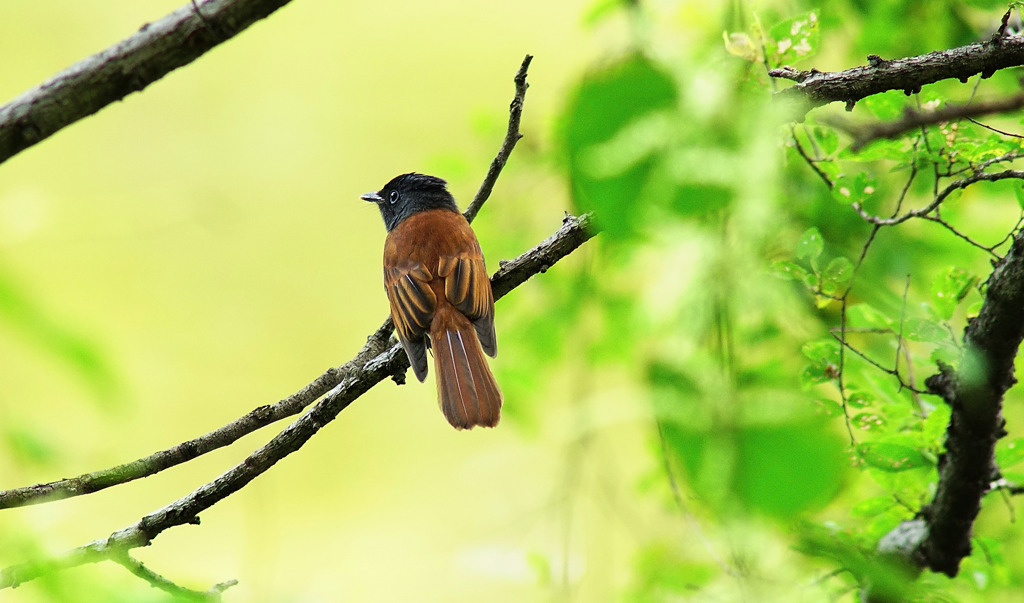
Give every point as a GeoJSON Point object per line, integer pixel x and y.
{"type": "Point", "coordinates": [996, 130]}
{"type": "Point", "coordinates": [512, 136]}
{"type": "Point", "coordinates": [807, 158]}
{"type": "Point", "coordinates": [939, 198]}
{"type": "Point", "coordinates": [903, 384]}
{"type": "Point", "coordinates": [155, 580]}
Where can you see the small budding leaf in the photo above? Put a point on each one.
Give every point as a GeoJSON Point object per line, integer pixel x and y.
{"type": "Point", "coordinates": [836, 275]}
{"type": "Point", "coordinates": [788, 271]}
{"type": "Point", "coordinates": [810, 245]}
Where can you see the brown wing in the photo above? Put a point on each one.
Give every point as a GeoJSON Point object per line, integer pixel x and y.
{"type": "Point", "coordinates": [412, 308]}
{"type": "Point", "coordinates": [468, 288]}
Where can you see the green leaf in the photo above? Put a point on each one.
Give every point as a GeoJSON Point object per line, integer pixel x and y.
{"type": "Point", "coordinates": [892, 458]}
{"type": "Point", "coordinates": [810, 245]}
{"type": "Point", "coordinates": [688, 199]}
{"type": "Point", "coordinates": [822, 350]}
{"type": "Point", "coordinates": [827, 139]}
{"type": "Point", "coordinates": [615, 102]}
{"type": "Point", "coordinates": [634, 143]}
{"type": "Point", "coordinates": [828, 408]}
{"type": "Point", "coordinates": [818, 372]}
{"type": "Point", "coordinates": [859, 399]}
{"type": "Point", "coordinates": [865, 316]}
{"type": "Point", "coordinates": [868, 421]}
{"type": "Point", "coordinates": [871, 507]}
{"type": "Point", "coordinates": [836, 275]}
{"type": "Point", "coordinates": [949, 289]}
{"type": "Point", "coordinates": [947, 352]}
{"type": "Point", "coordinates": [663, 374]}
{"type": "Point", "coordinates": [933, 429]}
{"type": "Point", "coordinates": [854, 189]}
{"type": "Point", "coordinates": [787, 270]}
{"type": "Point", "coordinates": [782, 470]}
{"type": "Point", "coordinates": [928, 331]}
{"type": "Point", "coordinates": [794, 39]}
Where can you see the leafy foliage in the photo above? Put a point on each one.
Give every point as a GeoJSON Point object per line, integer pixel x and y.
{"type": "Point", "coordinates": [799, 398]}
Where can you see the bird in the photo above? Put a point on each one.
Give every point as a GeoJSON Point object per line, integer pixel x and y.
{"type": "Point", "coordinates": [440, 295]}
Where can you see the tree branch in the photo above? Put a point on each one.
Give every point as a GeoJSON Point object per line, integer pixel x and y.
{"type": "Point", "coordinates": [128, 66]}
{"type": "Point", "coordinates": [137, 568]}
{"type": "Point", "coordinates": [385, 361]}
{"type": "Point", "coordinates": [942, 534]}
{"type": "Point", "coordinates": [816, 88]}
{"type": "Point", "coordinates": [912, 120]}
{"type": "Point", "coordinates": [264, 415]}
{"type": "Point", "coordinates": [939, 198]}
{"type": "Point", "coordinates": [186, 451]}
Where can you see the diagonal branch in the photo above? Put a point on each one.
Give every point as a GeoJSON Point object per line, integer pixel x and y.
{"type": "Point", "coordinates": [816, 88]}
{"type": "Point", "coordinates": [267, 414]}
{"type": "Point", "coordinates": [386, 361]}
{"type": "Point", "coordinates": [128, 66]}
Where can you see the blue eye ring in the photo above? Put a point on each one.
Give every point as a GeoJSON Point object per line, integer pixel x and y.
{"type": "Point", "coordinates": [393, 197]}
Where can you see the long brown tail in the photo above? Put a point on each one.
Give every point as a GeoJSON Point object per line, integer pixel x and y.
{"type": "Point", "coordinates": [466, 389]}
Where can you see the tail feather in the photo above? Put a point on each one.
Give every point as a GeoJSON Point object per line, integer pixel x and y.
{"type": "Point", "coordinates": [467, 391]}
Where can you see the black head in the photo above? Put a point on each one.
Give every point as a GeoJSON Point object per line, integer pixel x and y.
{"type": "Point", "coordinates": [410, 194]}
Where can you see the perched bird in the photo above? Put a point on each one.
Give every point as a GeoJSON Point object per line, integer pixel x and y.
{"type": "Point", "coordinates": [440, 295]}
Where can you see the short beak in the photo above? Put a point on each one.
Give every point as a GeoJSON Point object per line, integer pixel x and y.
{"type": "Point", "coordinates": [372, 197]}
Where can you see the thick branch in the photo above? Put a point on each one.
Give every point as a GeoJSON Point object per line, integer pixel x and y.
{"type": "Point", "coordinates": [130, 65]}
{"type": "Point", "coordinates": [386, 362]}
{"type": "Point", "coordinates": [975, 394]}
{"type": "Point", "coordinates": [816, 88]}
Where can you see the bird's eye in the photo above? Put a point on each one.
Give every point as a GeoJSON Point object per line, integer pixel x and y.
{"type": "Point", "coordinates": [393, 197]}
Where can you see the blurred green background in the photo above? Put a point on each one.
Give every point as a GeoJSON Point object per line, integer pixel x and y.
{"type": "Point", "coordinates": [199, 249]}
